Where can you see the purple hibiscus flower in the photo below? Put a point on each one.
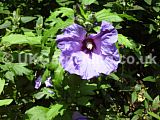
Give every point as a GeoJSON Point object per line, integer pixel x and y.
{"type": "Point", "coordinates": [38, 82]}
{"type": "Point", "coordinates": [89, 55]}
{"type": "Point", "coordinates": [77, 116]}
{"type": "Point", "coordinates": [48, 82]}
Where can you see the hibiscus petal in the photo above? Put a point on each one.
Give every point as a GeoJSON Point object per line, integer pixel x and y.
{"type": "Point", "coordinates": [105, 39]}
{"type": "Point", "coordinates": [71, 40]}
{"type": "Point", "coordinates": [104, 64]}
{"type": "Point", "coordinates": [79, 63]}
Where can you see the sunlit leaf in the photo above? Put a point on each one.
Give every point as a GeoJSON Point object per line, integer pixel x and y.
{"type": "Point", "coordinates": [26, 19]}
{"type": "Point", "coordinates": [20, 39]}
{"type": "Point", "coordinates": [88, 2]}
{"type": "Point", "coordinates": [134, 97]}
{"type": "Point", "coordinates": [149, 2]}
{"type": "Point", "coordinates": [107, 15]}
{"type": "Point", "coordinates": [64, 2]}
{"type": "Point", "coordinates": [154, 115]}
{"type": "Point", "coordinates": [5, 102]}
{"type": "Point", "coordinates": [54, 111]}
{"type": "Point", "coordinates": [126, 42]}
{"type": "Point", "coordinates": [2, 83]}
{"type": "Point", "coordinates": [37, 113]}
{"type": "Point", "coordinates": [156, 102]}
{"type": "Point", "coordinates": [146, 95]}
{"type": "Point", "coordinates": [149, 78]}
{"type": "Point", "coordinates": [6, 24]}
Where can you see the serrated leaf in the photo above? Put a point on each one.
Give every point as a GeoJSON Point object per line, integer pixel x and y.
{"type": "Point", "coordinates": [149, 78]}
{"type": "Point", "coordinates": [68, 12]}
{"type": "Point", "coordinates": [20, 69]}
{"type": "Point", "coordinates": [26, 19]}
{"type": "Point", "coordinates": [5, 102]}
{"type": "Point", "coordinates": [126, 42]}
{"type": "Point", "coordinates": [58, 76]}
{"type": "Point", "coordinates": [54, 111]}
{"type": "Point", "coordinates": [20, 39]}
{"type": "Point", "coordinates": [88, 2]}
{"type": "Point", "coordinates": [2, 83]}
{"type": "Point", "coordinates": [9, 75]}
{"type": "Point", "coordinates": [37, 113]}
{"type": "Point", "coordinates": [107, 15]}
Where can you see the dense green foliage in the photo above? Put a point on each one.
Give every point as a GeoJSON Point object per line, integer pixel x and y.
{"type": "Point", "coordinates": [28, 30]}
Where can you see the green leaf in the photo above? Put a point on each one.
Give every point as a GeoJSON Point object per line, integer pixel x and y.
{"type": "Point", "coordinates": [146, 95]}
{"type": "Point", "coordinates": [64, 2]}
{"type": "Point", "coordinates": [6, 24]}
{"type": "Point", "coordinates": [126, 109]}
{"type": "Point", "coordinates": [149, 2]}
{"type": "Point", "coordinates": [105, 86]}
{"type": "Point", "coordinates": [5, 102]}
{"type": "Point", "coordinates": [83, 100]}
{"type": "Point", "coordinates": [54, 111]}
{"type": "Point", "coordinates": [154, 115]}
{"type": "Point", "coordinates": [135, 117]}
{"type": "Point", "coordinates": [37, 113]}
{"type": "Point", "coordinates": [2, 83]}
{"type": "Point", "coordinates": [139, 111]}
{"type": "Point", "coordinates": [134, 97]}
{"type": "Point", "coordinates": [18, 68]}
{"type": "Point", "coordinates": [88, 2]}
{"type": "Point", "coordinates": [26, 19]}
{"type": "Point", "coordinates": [9, 75]}
{"type": "Point", "coordinates": [87, 89]}
{"type": "Point", "coordinates": [156, 102]}
{"type": "Point", "coordinates": [68, 12]}
{"type": "Point", "coordinates": [128, 17]}
{"type": "Point", "coordinates": [39, 22]}
{"type": "Point", "coordinates": [58, 73]}
{"type": "Point", "coordinates": [157, 9]}
{"type": "Point", "coordinates": [39, 95]}
{"type": "Point", "coordinates": [114, 77]}
{"type": "Point", "coordinates": [106, 14]}
{"type": "Point", "coordinates": [126, 42]}
{"type": "Point", "coordinates": [137, 87]}
{"type": "Point", "coordinates": [20, 39]}
{"type": "Point", "coordinates": [146, 104]}
{"type": "Point", "coordinates": [150, 79]}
